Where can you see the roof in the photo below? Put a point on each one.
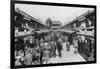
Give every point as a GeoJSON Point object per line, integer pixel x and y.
{"type": "Point", "coordinates": [56, 23]}
{"type": "Point", "coordinates": [27, 16]}
{"type": "Point", "coordinates": [79, 18]}
{"type": "Point", "coordinates": [91, 27]}
{"type": "Point", "coordinates": [87, 33]}
{"type": "Point", "coordinates": [42, 31]}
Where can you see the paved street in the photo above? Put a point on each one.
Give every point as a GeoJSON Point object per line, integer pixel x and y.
{"type": "Point", "coordinates": [68, 57]}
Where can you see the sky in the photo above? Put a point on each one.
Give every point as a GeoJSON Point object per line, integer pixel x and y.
{"type": "Point", "coordinates": [59, 13]}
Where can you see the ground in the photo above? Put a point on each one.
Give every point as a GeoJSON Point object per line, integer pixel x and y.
{"type": "Point", "coordinates": [68, 57]}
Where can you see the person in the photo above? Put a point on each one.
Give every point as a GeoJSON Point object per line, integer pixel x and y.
{"type": "Point", "coordinates": [76, 47]}
{"type": "Point", "coordinates": [28, 58]}
{"type": "Point", "coordinates": [68, 45]}
{"type": "Point", "coordinates": [79, 45]}
{"type": "Point", "coordinates": [17, 59]}
{"type": "Point", "coordinates": [53, 47]}
{"type": "Point", "coordinates": [46, 55]}
{"type": "Point", "coordinates": [59, 48]}
{"type": "Point", "coordinates": [83, 44]}
{"type": "Point", "coordinates": [88, 47]}
{"type": "Point", "coordinates": [41, 43]}
{"type": "Point", "coordinates": [41, 55]}
{"type": "Point", "coordinates": [91, 58]}
{"type": "Point", "coordinates": [21, 54]}
{"type": "Point", "coordinates": [35, 57]}
{"type": "Point", "coordinates": [64, 45]}
{"type": "Point", "coordinates": [41, 50]}
{"type": "Point", "coordinates": [17, 62]}
{"type": "Point", "coordinates": [38, 50]}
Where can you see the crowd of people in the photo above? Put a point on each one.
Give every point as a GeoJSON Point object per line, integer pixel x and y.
{"type": "Point", "coordinates": [32, 50]}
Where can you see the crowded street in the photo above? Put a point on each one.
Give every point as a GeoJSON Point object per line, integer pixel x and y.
{"type": "Point", "coordinates": [50, 42]}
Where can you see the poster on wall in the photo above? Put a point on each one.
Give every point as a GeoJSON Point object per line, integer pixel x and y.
{"type": "Point", "coordinates": [52, 34]}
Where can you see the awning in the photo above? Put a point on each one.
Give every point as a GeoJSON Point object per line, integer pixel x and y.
{"type": "Point", "coordinates": [87, 33]}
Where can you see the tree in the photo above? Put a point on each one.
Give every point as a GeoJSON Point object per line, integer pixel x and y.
{"type": "Point", "coordinates": [48, 22]}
